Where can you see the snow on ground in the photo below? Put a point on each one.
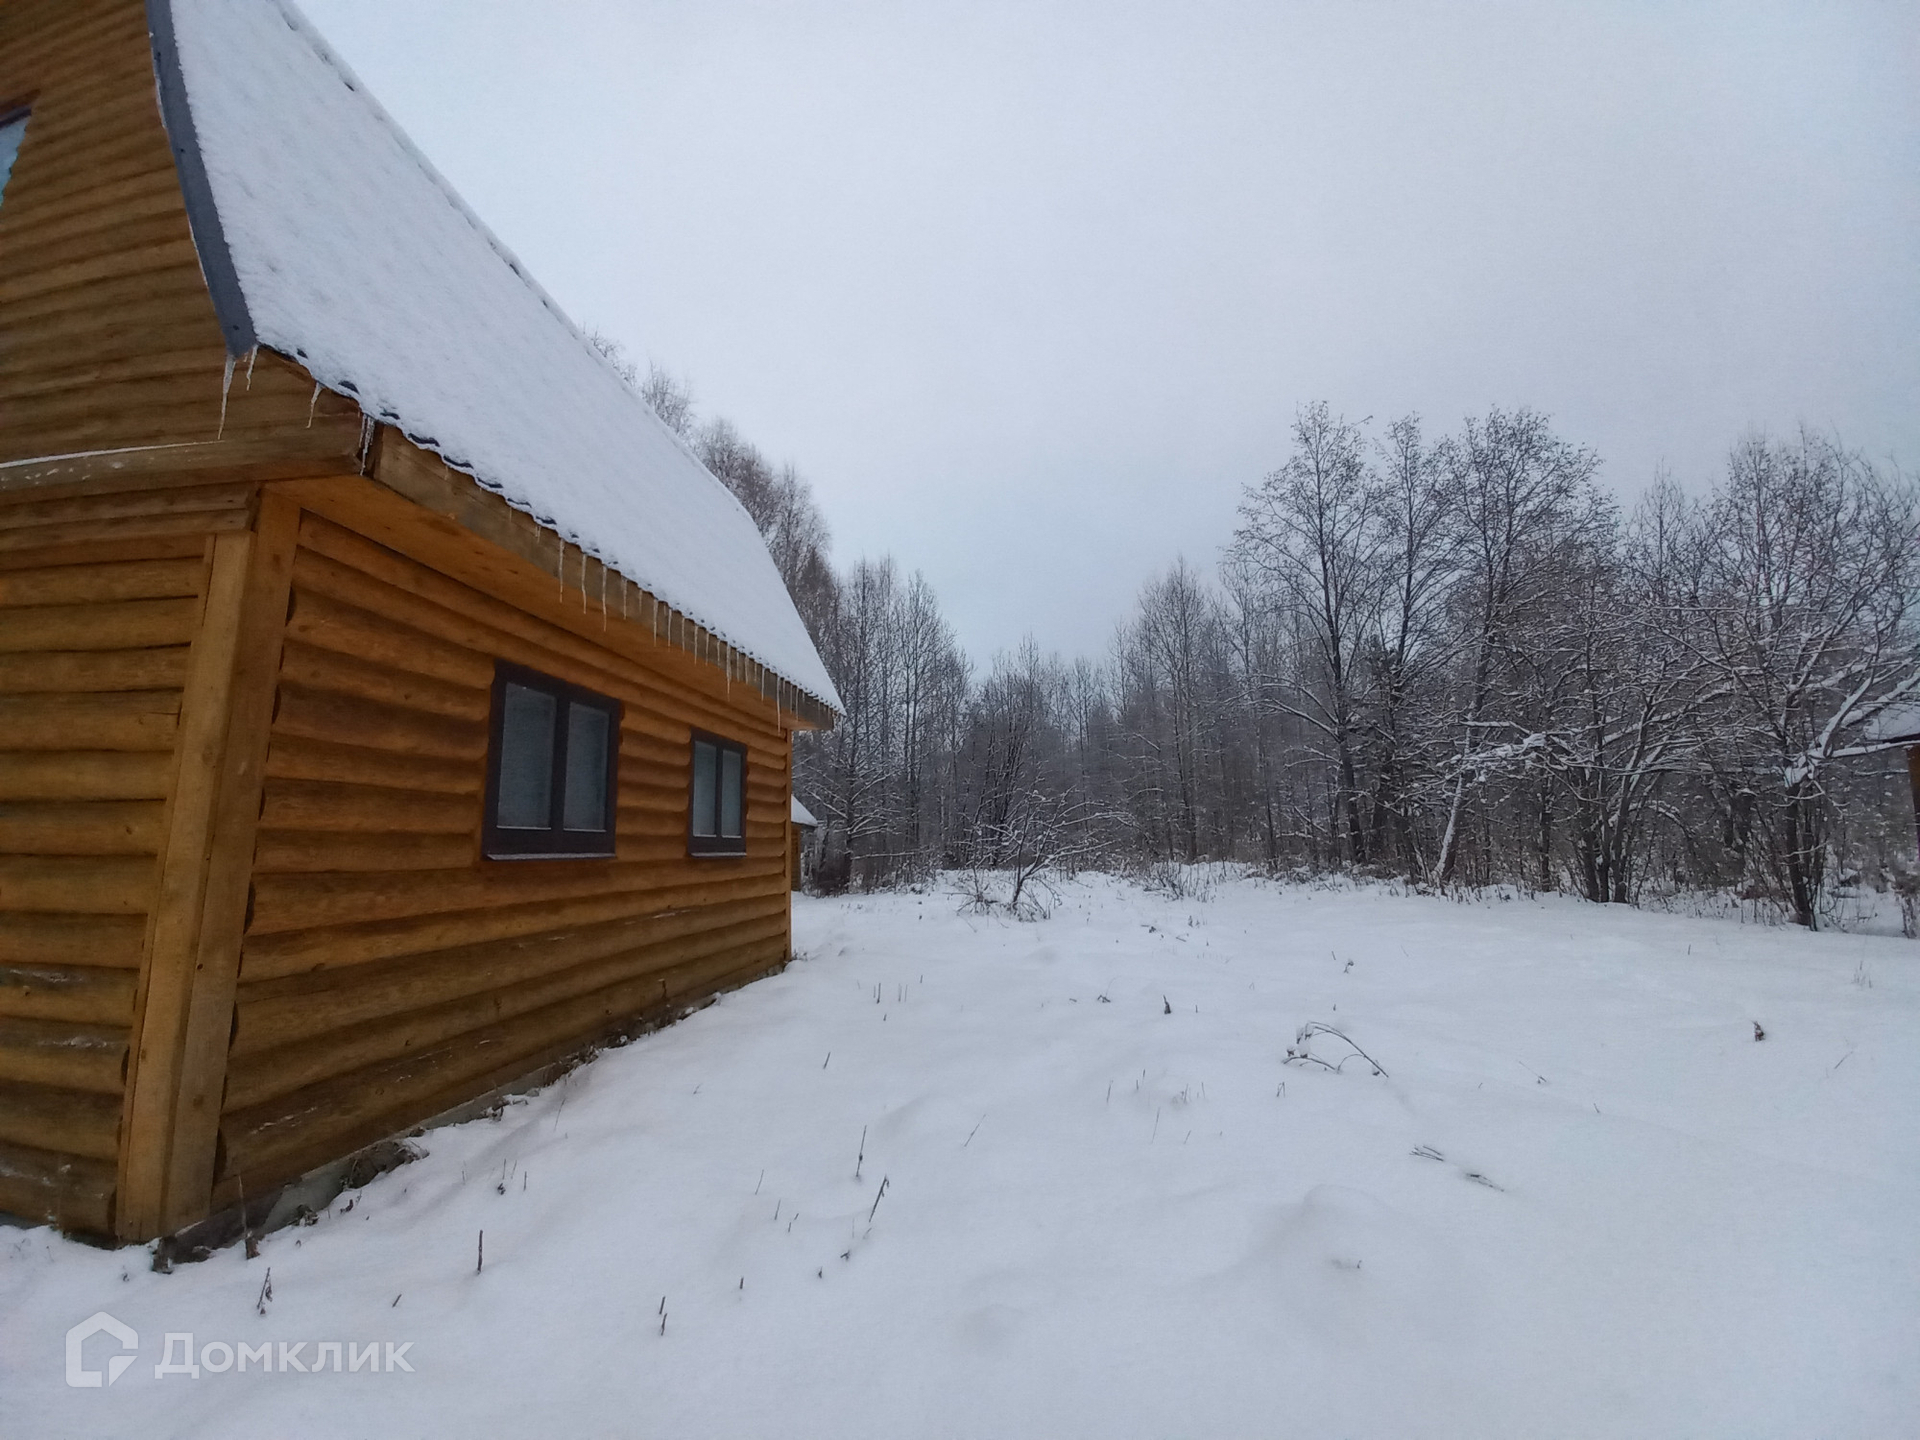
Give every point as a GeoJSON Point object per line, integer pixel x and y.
{"type": "Point", "coordinates": [1583, 1201]}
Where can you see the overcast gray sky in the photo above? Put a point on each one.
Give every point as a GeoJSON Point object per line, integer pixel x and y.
{"type": "Point", "coordinates": [1031, 291]}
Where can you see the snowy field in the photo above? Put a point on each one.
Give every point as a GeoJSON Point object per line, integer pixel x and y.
{"type": "Point", "coordinates": [1581, 1201]}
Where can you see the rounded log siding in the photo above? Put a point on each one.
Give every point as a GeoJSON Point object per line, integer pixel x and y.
{"type": "Point", "coordinates": [93, 651]}
{"type": "Point", "coordinates": [389, 971]}
{"type": "Point", "coordinates": [111, 342]}
{"type": "Point", "coordinates": [111, 336]}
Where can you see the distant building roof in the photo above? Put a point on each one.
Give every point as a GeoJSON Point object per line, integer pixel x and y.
{"type": "Point", "coordinates": [1898, 726]}
{"type": "Point", "coordinates": [803, 816]}
{"type": "Point", "coordinates": [327, 237]}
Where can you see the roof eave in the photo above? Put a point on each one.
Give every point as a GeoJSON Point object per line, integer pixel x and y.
{"type": "Point", "coordinates": [413, 471]}
{"type": "Point", "coordinates": [203, 215]}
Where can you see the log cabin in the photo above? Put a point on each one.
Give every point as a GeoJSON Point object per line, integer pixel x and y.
{"type": "Point", "coordinates": [390, 705]}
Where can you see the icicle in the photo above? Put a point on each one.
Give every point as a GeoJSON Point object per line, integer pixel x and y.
{"type": "Point", "coordinates": [312, 402]}
{"type": "Point", "coordinates": [252, 355]}
{"type": "Point", "coordinates": [603, 594]}
{"type": "Point", "coordinates": [226, 384]}
{"type": "Point", "coordinates": [560, 565]}
{"type": "Point", "coordinates": [583, 582]}
{"type": "Point", "coordinates": [367, 432]}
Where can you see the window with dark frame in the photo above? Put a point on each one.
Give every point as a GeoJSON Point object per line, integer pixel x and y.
{"type": "Point", "coordinates": [552, 755]}
{"type": "Point", "coordinates": [717, 803]}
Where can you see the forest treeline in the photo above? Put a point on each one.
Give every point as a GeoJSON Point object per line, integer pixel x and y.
{"type": "Point", "coordinates": [1451, 658]}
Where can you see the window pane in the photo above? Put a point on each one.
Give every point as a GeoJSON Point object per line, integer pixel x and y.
{"type": "Point", "coordinates": [526, 760]}
{"type": "Point", "coordinates": [11, 134]}
{"type": "Point", "coordinates": [704, 757]}
{"type": "Point", "coordinates": [586, 804]}
{"type": "Point", "coordinates": [730, 794]}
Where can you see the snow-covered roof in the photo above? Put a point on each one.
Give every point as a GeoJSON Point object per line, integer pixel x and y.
{"type": "Point", "coordinates": [803, 816]}
{"type": "Point", "coordinates": [327, 237]}
{"type": "Point", "coordinates": [1898, 726]}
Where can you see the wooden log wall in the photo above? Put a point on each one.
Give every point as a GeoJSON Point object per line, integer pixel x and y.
{"type": "Point", "coordinates": [388, 971]}
{"type": "Point", "coordinates": [110, 337]}
{"type": "Point", "coordinates": [431, 484]}
{"type": "Point", "coordinates": [100, 609]}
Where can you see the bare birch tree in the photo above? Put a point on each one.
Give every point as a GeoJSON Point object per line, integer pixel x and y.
{"type": "Point", "coordinates": [1311, 530]}
{"type": "Point", "coordinates": [1518, 488]}
{"type": "Point", "coordinates": [1805, 618]}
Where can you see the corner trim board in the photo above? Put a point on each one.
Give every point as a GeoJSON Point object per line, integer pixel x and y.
{"type": "Point", "coordinates": [193, 1148]}
{"type": "Point", "coordinates": [163, 1005]}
